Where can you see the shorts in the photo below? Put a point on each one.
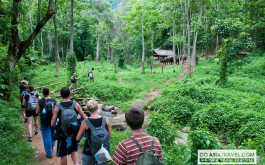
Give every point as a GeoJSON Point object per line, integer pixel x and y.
{"type": "Point", "coordinates": [73, 81]}
{"type": "Point", "coordinates": [31, 113]}
{"type": "Point", "coordinates": [91, 78]}
{"type": "Point", "coordinates": [62, 150]}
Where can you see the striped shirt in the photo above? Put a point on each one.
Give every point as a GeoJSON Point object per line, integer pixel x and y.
{"type": "Point", "coordinates": [128, 152]}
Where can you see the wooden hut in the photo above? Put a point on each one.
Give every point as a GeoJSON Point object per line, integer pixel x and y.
{"type": "Point", "coordinates": [161, 54]}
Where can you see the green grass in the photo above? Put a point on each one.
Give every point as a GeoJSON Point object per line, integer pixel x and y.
{"type": "Point", "coordinates": [107, 86]}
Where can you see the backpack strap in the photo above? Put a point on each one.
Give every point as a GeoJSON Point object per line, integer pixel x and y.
{"type": "Point", "coordinates": [152, 146]}
{"type": "Point", "coordinates": [139, 146]}
{"type": "Point", "coordinates": [62, 108]}
{"type": "Point", "coordinates": [89, 124]}
{"type": "Point", "coordinates": [103, 122]}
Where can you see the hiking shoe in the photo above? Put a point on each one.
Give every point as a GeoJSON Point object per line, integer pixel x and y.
{"type": "Point", "coordinates": [48, 156]}
{"type": "Point", "coordinates": [25, 120]}
{"type": "Point", "coordinates": [36, 133]}
{"type": "Point", "coordinates": [30, 139]}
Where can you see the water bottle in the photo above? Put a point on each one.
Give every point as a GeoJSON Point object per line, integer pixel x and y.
{"type": "Point", "coordinates": [43, 114]}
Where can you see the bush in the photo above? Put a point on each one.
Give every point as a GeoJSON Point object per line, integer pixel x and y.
{"type": "Point", "coordinates": [71, 63]}
{"type": "Point", "coordinates": [162, 129]}
{"type": "Point", "coordinates": [201, 139]}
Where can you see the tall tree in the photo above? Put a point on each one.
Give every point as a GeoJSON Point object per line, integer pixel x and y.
{"type": "Point", "coordinates": [17, 47]}
{"type": "Point", "coordinates": [72, 27]}
{"type": "Point", "coordinates": [143, 51]}
{"type": "Point", "coordinates": [31, 27]}
{"type": "Point", "coordinates": [187, 11]}
{"type": "Point", "coordinates": [56, 41]}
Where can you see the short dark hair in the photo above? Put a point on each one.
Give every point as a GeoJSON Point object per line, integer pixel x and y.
{"type": "Point", "coordinates": [134, 117]}
{"type": "Point", "coordinates": [46, 92]}
{"type": "Point", "coordinates": [65, 92]}
{"type": "Point", "coordinates": [25, 78]}
{"type": "Point", "coordinates": [31, 88]}
{"type": "Point", "coordinates": [92, 68]}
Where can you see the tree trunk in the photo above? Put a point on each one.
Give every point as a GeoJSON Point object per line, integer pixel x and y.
{"type": "Point", "coordinates": [49, 43]}
{"type": "Point", "coordinates": [255, 31]}
{"type": "Point", "coordinates": [56, 43]}
{"type": "Point", "coordinates": [16, 47]}
{"type": "Point", "coordinates": [63, 41]}
{"type": "Point", "coordinates": [72, 27]}
{"type": "Point", "coordinates": [153, 38]}
{"type": "Point", "coordinates": [108, 53]}
{"type": "Point", "coordinates": [195, 42]}
{"type": "Point", "coordinates": [31, 28]}
{"type": "Point", "coordinates": [42, 46]}
{"type": "Point", "coordinates": [174, 46]}
{"type": "Point", "coordinates": [143, 38]}
{"type": "Point", "coordinates": [216, 44]}
{"type": "Point", "coordinates": [97, 57]}
{"type": "Point", "coordinates": [206, 46]}
{"type": "Point", "coordinates": [188, 31]}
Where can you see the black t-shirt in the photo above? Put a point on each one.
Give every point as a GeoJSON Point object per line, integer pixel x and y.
{"type": "Point", "coordinates": [42, 103]}
{"type": "Point", "coordinates": [74, 78]}
{"type": "Point", "coordinates": [95, 123]}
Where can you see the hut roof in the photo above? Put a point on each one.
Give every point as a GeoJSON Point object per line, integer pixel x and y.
{"type": "Point", "coordinates": [160, 52]}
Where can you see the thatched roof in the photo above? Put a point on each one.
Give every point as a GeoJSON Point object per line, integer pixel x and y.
{"type": "Point", "coordinates": [160, 52]}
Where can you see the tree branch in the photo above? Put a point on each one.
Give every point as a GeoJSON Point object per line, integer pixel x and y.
{"type": "Point", "coordinates": [25, 44]}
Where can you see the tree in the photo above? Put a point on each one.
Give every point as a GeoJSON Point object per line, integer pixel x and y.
{"type": "Point", "coordinates": [56, 42]}
{"type": "Point", "coordinates": [17, 47]}
{"type": "Point", "coordinates": [72, 27]}
{"type": "Point", "coordinates": [143, 38]}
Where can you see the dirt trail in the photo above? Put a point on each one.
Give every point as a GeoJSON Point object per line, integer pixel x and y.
{"type": "Point", "coordinates": [37, 141]}
{"type": "Point", "coordinates": [155, 93]}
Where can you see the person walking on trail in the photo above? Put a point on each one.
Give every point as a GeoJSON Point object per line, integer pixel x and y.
{"type": "Point", "coordinates": [22, 94]}
{"type": "Point", "coordinates": [94, 123]}
{"type": "Point", "coordinates": [74, 81]}
{"type": "Point", "coordinates": [30, 102]}
{"type": "Point", "coordinates": [45, 107]}
{"type": "Point", "coordinates": [90, 75]}
{"type": "Point", "coordinates": [139, 144]}
{"type": "Point", "coordinates": [67, 112]}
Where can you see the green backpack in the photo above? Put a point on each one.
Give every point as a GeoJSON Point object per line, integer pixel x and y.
{"type": "Point", "coordinates": [147, 158]}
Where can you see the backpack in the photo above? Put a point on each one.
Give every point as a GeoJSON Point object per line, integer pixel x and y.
{"type": "Point", "coordinates": [90, 74]}
{"type": "Point", "coordinates": [147, 158]}
{"type": "Point", "coordinates": [67, 116]}
{"type": "Point", "coordinates": [32, 102]}
{"type": "Point", "coordinates": [99, 136]}
{"type": "Point", "coordinates": [72, 78]}
{"type": "Point", "coordinates": [47, 111]}
{"type": "Point", "coordinates": [22, 94]}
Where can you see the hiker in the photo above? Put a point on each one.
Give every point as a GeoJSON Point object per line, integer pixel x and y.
{"type": "Point", "coordinates": [90, 75]}
{"type": "Point", "coordinates": [22, 94]}
{"type": "Point", "coordinates": [131, 150]}
{"type": "Point", "coordinates": [30, 102]}
{"type": "Point", "coordinates": [95, 124]}
{"type": "Point", "coordinates": [45, 107]}
{"type": "Point", "coordinates": [74, 81]}
{"type": "Point", "coordinates": [67, 112]}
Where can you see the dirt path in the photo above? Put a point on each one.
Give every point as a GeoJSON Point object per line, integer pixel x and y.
{"type": "Point", "coordinates": [155, 93]}
{"type": "Point", "coordinates": [37, 143]}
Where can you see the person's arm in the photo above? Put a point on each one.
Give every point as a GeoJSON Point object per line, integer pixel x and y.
{"type": "Point", "coordinates": [80, 111]}
{"type": "Point", "coordinates": [119, 157]}
{"type": "Point", "coordinates": [54, 116]}
{"type": "Point", "coordinates": [81, 131]}
{"type": "Point", "coordinates": [109, 128]}
{"type": "Point", "coordinates": [37, 111]}
{"type": "Point", "coordinates": [24, 100]}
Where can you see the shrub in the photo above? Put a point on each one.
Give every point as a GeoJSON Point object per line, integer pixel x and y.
{"type": "Point", "coordinates": [71, 63]}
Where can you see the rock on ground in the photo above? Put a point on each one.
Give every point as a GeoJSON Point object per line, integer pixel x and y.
{"type": "Point", "coordinates": [139, 103]}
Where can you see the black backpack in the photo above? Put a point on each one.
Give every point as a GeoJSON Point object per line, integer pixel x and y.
{"type": "Point", "coordinates": [48, 107]}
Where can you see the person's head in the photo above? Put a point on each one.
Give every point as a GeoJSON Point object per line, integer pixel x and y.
{"type": "Point", "coordinates": [25, 78]}
{"type": "Point", "coordinates": [134, 117]}
{"type": "Point", "coordinates": [25, 87]}
{"type": "Point", "coordinates": [92, 68]}
{"type": "Point", "coordinates": [74, 73]}
{"type": "Point", "coordinates": [65, 92]}
{"type": "Point", "coordinates": [92, 105]}
{"type": "Point", "coordinates": [46, 92]}
{"type": "Point", "coordinates": [31, 89]}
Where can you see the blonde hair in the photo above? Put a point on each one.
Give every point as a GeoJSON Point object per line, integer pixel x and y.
{"type": "Point", "coordinates": [92, 105]}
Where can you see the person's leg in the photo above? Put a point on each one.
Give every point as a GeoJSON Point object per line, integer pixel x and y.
{"type": "Point", "coordinates": [64, 160]}
{"type": "Point", "coordinates": [76, 84]}
{"type": "Point", "coordinates": [52, 133]}
{"type": "Point", "coordinates": [47, 140]}
{"type": "Point", "coordinates": [30, 126]}
{"type": "Point", "coordinates": [71, 86]}
{"type": "Point", "coordinates": [36, 124]}
{"type": "Point", "coordinates": [74, 156]}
